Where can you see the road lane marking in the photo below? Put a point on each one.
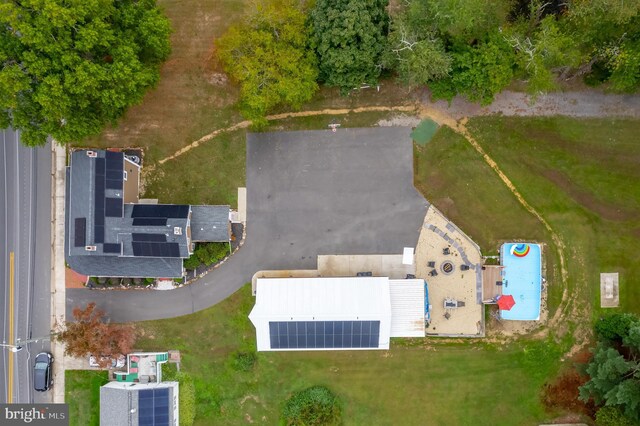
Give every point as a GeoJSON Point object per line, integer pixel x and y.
{"type": "Point", "coordinates": [11, 336]}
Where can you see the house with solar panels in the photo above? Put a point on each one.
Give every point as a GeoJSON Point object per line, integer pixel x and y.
{"type": "Point", "coordinates": [337, 313]}
{"type": "Point", "coordinates": [110, 233]}
{"type": "Point", "coordinates": [139, 404]}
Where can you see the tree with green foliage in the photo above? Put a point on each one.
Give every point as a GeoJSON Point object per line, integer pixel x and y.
{"type": "Point", "coordinates": [268, 55]}
{"type": "Point", "coordinates": [418, 58]}
{"type": "Point", "coordinates": [67, 69]}
{"type": "Point", "coordinates": [350, 38]}
{"type": "Point", "coordinates": [608, 32]}
{"type": "Point", "coordinates": [478, 72]}
{"type": "Point", "coordinates": [313, 406]}
{"type": "Point", "coordinates": [612, 416]}
{"type": "Point", "coordinates": [544, 53]}
{"type": "Point", "coordinates": [462, 21]}
{"type": "Point", "coordinates": [614, 371]}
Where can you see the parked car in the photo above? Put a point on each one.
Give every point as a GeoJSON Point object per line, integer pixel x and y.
{"type": "Point", "coordinates": [42, 376]}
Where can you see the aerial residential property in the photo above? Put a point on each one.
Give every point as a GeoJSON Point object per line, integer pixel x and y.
{"type": "Point", "coordinates": [335, 212]}
{"type": "Point", "coordinates": [111, 234]}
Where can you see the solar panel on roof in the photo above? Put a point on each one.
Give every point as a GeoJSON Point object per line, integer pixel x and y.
{"type": "Point", "coordinates": [100, 166]}
{"type": "Point", "coordinates": [324, 334]}
{"type": "Point", "coordinates": [153, 249]}
{"type": "Point", "coordinates": [98, 237]}
{"type": "Point", "coordinates": [160, 210]}
{"type": "Point", "coordinates": [149, 221]}
{"type": "Point", "coordinates": [114, 160]}
{"type": "Point", "coordinates": [114, 184]}
{"type": "Point", "coordinates": [149, 237]}
{"type": "Point", "coordinates": [80, 232]}
{"type": "Point", "coordinates": [115, 174]}
{"type": "Point", "coordinates": [153, 407]}
{"type": "Point", "coordinates": [113, 207]}
{"type": "Point", "coordinates": [111, 248]}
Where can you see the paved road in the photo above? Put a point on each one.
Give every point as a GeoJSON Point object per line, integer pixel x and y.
{"type": "Point", "coordinates": [308, 193]}
{"type": "Point", "coordinates": [25, 232]}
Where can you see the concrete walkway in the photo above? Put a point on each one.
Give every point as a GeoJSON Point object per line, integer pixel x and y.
{"type": "Point", "coordinates": [58, 273]}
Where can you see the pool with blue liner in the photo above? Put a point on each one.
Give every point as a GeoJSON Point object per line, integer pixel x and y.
{"type": "Point", "coordinates": [522, 278]}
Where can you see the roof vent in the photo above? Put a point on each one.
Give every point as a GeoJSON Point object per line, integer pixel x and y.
{"type": "Point", "coordinates": [92, 154]}
{"type": "Point", "coordinates": [90, 248]}
{"type": "Point", "coordinates": [177, 230]}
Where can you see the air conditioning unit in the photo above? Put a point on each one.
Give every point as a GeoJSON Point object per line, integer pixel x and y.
{"type": "Point", "coordinates": [92, 154]}
{"type": "Point", "coordinates": [177, 230]}
{"type": "Point", "coordinates": [90, 248]}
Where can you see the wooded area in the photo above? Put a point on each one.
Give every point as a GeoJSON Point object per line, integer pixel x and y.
{"type": "Point", "coordinates": [475, 48]}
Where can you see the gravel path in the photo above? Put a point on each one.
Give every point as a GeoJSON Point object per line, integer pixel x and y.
{"type": "Point", "coordinates": [586, 103]}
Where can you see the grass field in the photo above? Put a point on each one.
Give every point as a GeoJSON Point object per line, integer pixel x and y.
{"type": "Point", "coordinates": [433, 382]}
{"type": "Point", "coordinates": [82, 393]}
{"type": "Point", "coordinates": [582, 175]}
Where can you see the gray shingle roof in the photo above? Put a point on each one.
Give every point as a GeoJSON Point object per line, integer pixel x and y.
{"type": "Point", "coordinates": [210, 223]}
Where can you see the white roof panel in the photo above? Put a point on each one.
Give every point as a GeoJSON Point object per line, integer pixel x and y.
{"type": "Point", "coordinates": [321, 299]}
{"type": "Point", "coordinates": [407, 308]}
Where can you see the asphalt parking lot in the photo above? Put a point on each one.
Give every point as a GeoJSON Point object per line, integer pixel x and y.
{"type": "Point", "coordinates": [320, 192]}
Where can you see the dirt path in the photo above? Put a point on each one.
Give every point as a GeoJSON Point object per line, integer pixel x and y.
{"type": "Point", "coordinates": [585, 103]}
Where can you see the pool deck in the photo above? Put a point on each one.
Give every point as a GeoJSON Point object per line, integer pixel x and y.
{"type": "Point", "coordinates": [491, 274]}
{"type": "Point", "coordinates": [438, 233]}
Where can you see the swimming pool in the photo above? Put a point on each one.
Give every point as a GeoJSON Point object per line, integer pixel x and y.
{"type": "Point", "coordinates": [522, 278]}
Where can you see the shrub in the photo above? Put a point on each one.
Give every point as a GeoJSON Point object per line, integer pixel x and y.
{"type": "Point", "coordinates": [192, 262]}
{"type": "Point", "coordinates": [612, 416]}
{"type": "Point", "coordinates": [210, 253]}
{"type": "Point", "coordinates": [615, 327]}
{"type": "Point", "coordinates": [244, 361]}
{"type": "Point", "coordinates": [316, 405]}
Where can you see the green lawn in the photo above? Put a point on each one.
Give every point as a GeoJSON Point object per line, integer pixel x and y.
{"type": "Point", "coordinates": [436, 382]}
{"type": "Point", "coordinates": [582, 175]}
{"type": "Point", "coordinates": [82, 393]}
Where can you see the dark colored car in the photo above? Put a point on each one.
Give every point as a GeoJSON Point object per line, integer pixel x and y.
{"type": "Point", "coordinates": [42, 378]}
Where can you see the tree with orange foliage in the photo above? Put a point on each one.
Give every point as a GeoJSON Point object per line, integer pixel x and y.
{"type": "Point", "coordinates": [90, 334]}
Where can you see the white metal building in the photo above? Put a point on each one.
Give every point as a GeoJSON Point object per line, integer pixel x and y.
{"type": "Point", "coordinates": [337, 313]}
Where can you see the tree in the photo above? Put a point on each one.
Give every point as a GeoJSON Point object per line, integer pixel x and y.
{"type": "Point", "coordinates": [349, 37]}
{"type": "Point", "coordinates": [90, 334]}
{"type": "Point", "coordinates": [463, 21]}
{"type": "Point", "coordinates": [548, 50]}
{"type": "Point", "coordinates": [478, 72]}
{"type": "Point", "coordinates": [69, 68]}
{"type": "Point", "coordinates": [269, 56]}
{"type": "Point", "coordinates": [418, 58]}
{"type": "Point", "coordinates": [614, 371]}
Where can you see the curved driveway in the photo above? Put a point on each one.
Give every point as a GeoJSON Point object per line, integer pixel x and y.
{"type": "Point", "coordinates": [308, 193]}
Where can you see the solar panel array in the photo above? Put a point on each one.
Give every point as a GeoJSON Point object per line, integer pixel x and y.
{"type": "Point", "coordinates": [149, 249]}
{"type": "Point", "coordinates": [113, 207]}
{"type": "Point", "coordinates": [160, 210]}
{"type": "Point", "coordinates": [153, 407]}
{"type": "Point", "coordinates": [112, 248]}
{"type": "Point", "coordinates": [158, 238]}
{"type": "Point", "coordinates": [115, 167]}
{"type": "Point", "coordinates": [98, 214]}
{"type": "Point", "coordinates": [149, 221]}
{"type": "Point", "coordinates": [80, 232]}
{"type": "Point", "coordinates": [324, 334]}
